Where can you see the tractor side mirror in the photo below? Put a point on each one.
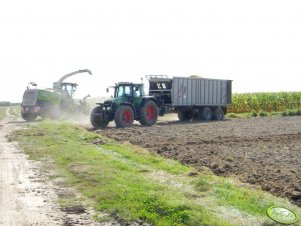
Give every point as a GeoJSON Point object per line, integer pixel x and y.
{"type": "Point", "coordinates": [107, 89]}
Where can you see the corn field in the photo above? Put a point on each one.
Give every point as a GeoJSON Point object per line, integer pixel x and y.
{"type": "Point", "coordinates": [269, 102]}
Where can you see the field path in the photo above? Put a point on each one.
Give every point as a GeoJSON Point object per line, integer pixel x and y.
{"type": "Point", "coordinates": [27, 197]}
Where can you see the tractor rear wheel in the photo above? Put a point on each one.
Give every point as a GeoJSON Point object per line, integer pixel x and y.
{"type": "Point", "coordinates": [96, 118]}
{"type": "Point", "coordinates": [124, 116]}
{"type": "Point", "coordinates": [206, 114]}
{"type": "Point", "coordinates": [218, 114]}
{"type": "Point", "coordinates": [29, 116]}
{"type": "Point", "coordinates": [148, 113]}
{"type": "Point", "coordinates": [185, 115]}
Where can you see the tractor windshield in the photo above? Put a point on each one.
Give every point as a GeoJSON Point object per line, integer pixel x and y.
{"type": "Point", "coordinates": [124, 91]}
{"type": "Point", "coordinates": [129, 90]}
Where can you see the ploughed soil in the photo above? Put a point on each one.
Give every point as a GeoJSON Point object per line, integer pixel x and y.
{"type": "Point", "coordinates": [261, 151]}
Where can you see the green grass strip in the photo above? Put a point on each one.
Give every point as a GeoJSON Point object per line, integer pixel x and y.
{"type": "Point", "coordinates": [2, 112]}
{"type": "Point", "coordinates": [133, 184]}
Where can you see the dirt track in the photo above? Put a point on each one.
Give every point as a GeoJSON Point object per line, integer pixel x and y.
{"type": "Point", "coordinates": [261, 151]}
{"type": "Point", "coordinates": [27, 197]}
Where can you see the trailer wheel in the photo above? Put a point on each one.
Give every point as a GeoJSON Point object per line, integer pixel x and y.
{"type": "Point", "coordinates": [96, 118]}
{"type": "Point", "coordinates": [185, 115]}
{"type": "Point", "coordinates": [218, 114]}
{"type": "Point", "coordinates": [148, 113]}
{"type": "Point", "coordinates": [124, 116]}
{"type": "Point", "coordinates": [206, 114]}
{"type": "Point", "coordinates": [29, 116]}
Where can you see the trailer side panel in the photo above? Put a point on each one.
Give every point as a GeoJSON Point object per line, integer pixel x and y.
{"type": "Point", "coordinates": [200, 92]}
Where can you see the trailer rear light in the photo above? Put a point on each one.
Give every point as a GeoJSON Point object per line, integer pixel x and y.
{"type": "Point", "coordinates": [36, 109]}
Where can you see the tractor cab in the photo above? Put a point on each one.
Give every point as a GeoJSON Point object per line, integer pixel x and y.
{"type": "Point", "coordinates": [125, 89]}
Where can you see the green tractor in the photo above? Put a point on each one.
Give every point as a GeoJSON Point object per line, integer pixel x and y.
{"type": "Point", "coordinates": [129, 104]}
{"type": "Point", "coordinates": [50, 103]}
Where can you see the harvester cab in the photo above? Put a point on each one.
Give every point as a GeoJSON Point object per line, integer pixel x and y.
{"type": "Point", "coordinates": [67, 86]}
{"type": "Point", "coordinates": [67, 89]}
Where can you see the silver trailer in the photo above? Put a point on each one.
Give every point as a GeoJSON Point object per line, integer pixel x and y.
{"type": "Point", "coordinates": [191, 97]}
{"type": "Point", "coordinates": [200, 92]}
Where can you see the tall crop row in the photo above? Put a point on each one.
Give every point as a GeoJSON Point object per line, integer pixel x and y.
{"type": "Point", "coordinates": [269, 102]}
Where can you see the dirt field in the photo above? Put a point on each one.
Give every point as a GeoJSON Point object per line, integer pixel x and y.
{"type": "Point", "coordinates": [261, 151]}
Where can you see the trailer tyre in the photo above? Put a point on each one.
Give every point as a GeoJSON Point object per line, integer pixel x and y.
{"type": "Point", "coordinates": [218, 114]}
{"type": "Point", "coordinates": [185, 115]}
{"type": "Point", "coordinates": [148, 113]}
{"type": "Point", "coordinates": [124, 116]}
{"type": "Point", "coordinates": [29, 116]}
{"type": "Point", "coordinates": [206, 114]}
{"type": "Point", "coordinates": [96, 118]}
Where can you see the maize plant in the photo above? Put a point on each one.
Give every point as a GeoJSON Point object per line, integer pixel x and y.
{"type": "Point", "coordinates": [269, 102]}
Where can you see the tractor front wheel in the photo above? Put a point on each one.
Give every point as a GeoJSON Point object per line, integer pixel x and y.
{"type": "Point", "coordinates": [148, 113]}
{"type": "Point", "coordinates": [29, 116]}
{"type": "Point", "coordinates": [96, 118]}
{"type": "Point", "coordinates": [124, 116]}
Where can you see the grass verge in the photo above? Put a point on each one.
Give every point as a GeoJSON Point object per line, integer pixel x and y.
{"type": "Point", "coordinates": [2, 112]}
{"type": "Point", "coordinates": [252, 114]}
{"type": "Point", "coordinates": [132, 184]}
{"type": "Point", "coordinates": [15, 111]}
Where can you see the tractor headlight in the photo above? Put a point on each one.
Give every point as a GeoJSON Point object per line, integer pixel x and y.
{"type": "Point", "coordinates": [106, 108]}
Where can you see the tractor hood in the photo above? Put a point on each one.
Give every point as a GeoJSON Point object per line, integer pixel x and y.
{"type": "Point", "coordinates": [115, 101]}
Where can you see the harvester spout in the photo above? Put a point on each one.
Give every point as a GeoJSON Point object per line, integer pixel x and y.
{"type": "Point", "coordinates": [57, 85]}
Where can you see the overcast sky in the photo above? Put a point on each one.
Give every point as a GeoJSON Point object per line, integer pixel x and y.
{"type": "Point", "coordinates": [255, 43]}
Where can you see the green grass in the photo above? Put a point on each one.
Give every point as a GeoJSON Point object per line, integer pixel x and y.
{"type": "Point", "coordinates": [243, 115]}
{"type": "Point", "coordinates": [262, 114]}
{"type": "Point", "coordinates": [254, 114]}
{"type": "Point", "coordinates": [2, 112]}
{"type": "Point", "coordinates": [238, 115]}
{"type": "Point", "coordinates": [132, 184]}
{"type": "Point", "coordinates": [14, 111]}
{"type": "Point", "coordinates": [295, 112]}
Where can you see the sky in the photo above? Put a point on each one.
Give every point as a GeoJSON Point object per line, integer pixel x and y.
{"type": "Point", "coordinates": [257, 43]}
